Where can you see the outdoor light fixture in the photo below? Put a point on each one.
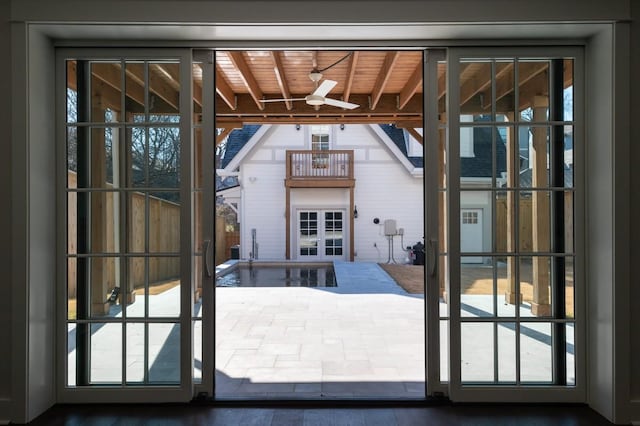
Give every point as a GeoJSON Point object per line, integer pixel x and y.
{"type": "Point", "coordinates": [355, 212]}
{"type": "Point", "coordinates": [297, 127]}
{"type": "Point", "coordinates": [342, 126]}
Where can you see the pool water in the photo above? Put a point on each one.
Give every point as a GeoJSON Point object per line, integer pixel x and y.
{"type": "Point", "coordinates": [321, 275]}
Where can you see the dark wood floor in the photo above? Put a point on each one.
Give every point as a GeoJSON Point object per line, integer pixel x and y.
{"type": "Point", "coordinates": [206, 414]}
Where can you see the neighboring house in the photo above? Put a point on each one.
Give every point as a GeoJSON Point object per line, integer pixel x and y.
{"type": "Point", "coordinates": [299, 187]}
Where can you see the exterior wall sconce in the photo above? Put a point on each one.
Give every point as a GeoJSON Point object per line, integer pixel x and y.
{"type": "Point", "coordinates": [355, 212]}
{"type": "Point", "coordinates": [342, 126]}
{"type": "Point", "coordinates": [297, 127]}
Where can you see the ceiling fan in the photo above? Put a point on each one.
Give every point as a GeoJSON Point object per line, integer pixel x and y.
{"type": "Point", "coordinates": [318, 97]}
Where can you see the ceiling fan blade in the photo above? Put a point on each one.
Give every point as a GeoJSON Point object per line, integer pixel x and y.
{"type": "Point", "coordinates": [324, 88]}
{"type": "Point", "coordinates": [340, 104]}
{"type": "Point", "coordinates": [282, 100]}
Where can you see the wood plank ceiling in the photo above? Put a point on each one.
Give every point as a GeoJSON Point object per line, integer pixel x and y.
{"type": "Point", "coordinates": [387, 86]}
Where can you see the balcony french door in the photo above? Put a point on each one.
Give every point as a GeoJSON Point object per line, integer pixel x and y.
{"type": "Point", "coordinates": [514, 296]}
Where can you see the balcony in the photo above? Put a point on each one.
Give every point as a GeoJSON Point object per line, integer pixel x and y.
{"type": "Point", "coordinates": [320, 169]}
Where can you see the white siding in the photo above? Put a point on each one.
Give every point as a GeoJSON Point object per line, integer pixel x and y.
{"type": "Point", "coordinates": [384, 189]}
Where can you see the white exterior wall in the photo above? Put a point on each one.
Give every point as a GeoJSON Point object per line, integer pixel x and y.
{"type": "Point", "coordinates": [384, 189]}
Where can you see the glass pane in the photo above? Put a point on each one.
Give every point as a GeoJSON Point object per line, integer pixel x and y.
{"type": "Point", "coordinates": [104, 291]}
{"type": "Point", "coordinates": [533, 80]}
{"type": "Point", "coordinates": [136, 281]}
{"type": "Point", "coordinates": [535, 352]}
{"type": "Point", "coordinates": [442, 92]}
{"type": "Point", "coordinates": [444, 350]}
{"type": "Point", "coordinates": [196, 75]}
{"type": "Point", "coordinates": [164, 287]}
{"type": "Point", "coordinates": [164, 222]}
{"type": "Point", "coordinates": [197, 351]}
{"type": "Point", "coordinates": [534, 224]}
{"type": "Point", "coordinates": [504, 146]}
{"type": "Point", "coordinates": [72, 156]}
{"type": "Point", "coordinates": [164, 88]}
{"type": "Point", "coordinates": [568, 157]}
{"type": "Point", "coordinates": [534, 161]}
{"type": "Point", "coordinates": [106, 353]}
{"type": "Point", "coordinates": [568, 221]}
{"type": "Point", "coordinates": [505, 214]}
{"type": "Point", "coordinates": [476, 156]}
{"type": "Point", "coordinates": [477, 352]}
{"type": "Point", "coordinates": [155, 156]}
{"type": "Point", "coordinates": [568, 90]}
{"type": "Point", "coordinates": [476, 288]}
{"type": "Point", "coordinates": [164, 353]}
{"type": "Point", "coordinates": [99, 146]}
{"type": "Point", "coordinates": [507, 297]}
{"type": "Point", "coordinates": [72, 92]}
{"type": "Point", "coordinates": [135, 352]}
{"type": "Point", "coordinates": [137, 216]}
{"type": "Point", "coordinates": [535, 284]}
{"type": "Point", "coordinates": [475, 88]}
{"type": "Point", "coordinates": [571, 358]}
{"type": "Point", "coordinates": [106, 86]}
{"type": "Point", "coordinates": [135, 89]}
{"type": "Point", "coordinates": [569, 288]}
{"type": "Point", "coordinates": [507, 352]}
{"type": "Point", "coordinates": [72, 273]}
{"type": "Point", "coordinates": [505, 93]}
{"type": "Point", "coordinates": [71, 354]}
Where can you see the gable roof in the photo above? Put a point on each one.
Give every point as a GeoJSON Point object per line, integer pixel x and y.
{"type": "Point", "coordinates": [236, 140]}
{"type": "Point", "coordinates": [399, 138]}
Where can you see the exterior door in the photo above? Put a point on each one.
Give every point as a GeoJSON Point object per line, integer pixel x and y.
{"type": "Point", "coordinates": [516, 323]}
{"type": "Point", "coordinates": [321, 235]}
{"type": "Point", "coordinates": [126, 280]}
{"type": "Point", "coordinates": [471, 233]}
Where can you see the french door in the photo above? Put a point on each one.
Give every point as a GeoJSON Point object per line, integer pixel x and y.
{"type": "Point", "coordinates": [503, 156]}
{"type": "Point", "coordinates": [321, 235]}
{"type": "Point", "coordinates": [124, 126]}
{"type": "Point", "coordinates": [513, 293]}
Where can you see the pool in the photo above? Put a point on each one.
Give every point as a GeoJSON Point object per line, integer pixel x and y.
{"type": "Point", "coordinates": [279, 275]}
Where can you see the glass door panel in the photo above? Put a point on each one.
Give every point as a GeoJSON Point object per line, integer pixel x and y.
{"type": "Point", "coordinates": [128, 270]}
{"type": "Point", "coordinates": [511, 217]}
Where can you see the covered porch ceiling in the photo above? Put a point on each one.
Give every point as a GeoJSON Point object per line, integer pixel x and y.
{"type": "Point", "coordinates": [387, 86]}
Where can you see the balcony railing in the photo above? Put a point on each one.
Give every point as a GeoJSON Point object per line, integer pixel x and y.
{"type": "Point", "coordinates": [336, 164]}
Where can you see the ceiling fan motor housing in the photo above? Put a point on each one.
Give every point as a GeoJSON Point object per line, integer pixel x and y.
{"type": "Point", "coordinates": [314, 99]}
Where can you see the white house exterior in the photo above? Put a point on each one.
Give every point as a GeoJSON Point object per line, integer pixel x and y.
{"type": "Point", "coordinates": [387, 184]}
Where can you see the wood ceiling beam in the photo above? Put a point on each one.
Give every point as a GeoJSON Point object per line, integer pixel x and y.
{"type": "Point", "coordinates": [475, 83]}
{"type": "Point", "coordinates": [537, 86]}
{"type": "Point", "coordinates": [157, 85]}
{"type": "Point", "coordinates": [390, 60]}
{"type": "Point", "coordinates": [172, 76]}
{"type": "Point", "coordinates": [411, 87]}
{"type": "Point", "coordinates": [247, 77]}
{"type": "Point", "coordinates": [351, 72]}
{"type": "Point", "coordinates": [278, 70]}
{"type": "Point", "coordinates": [417, 136]}
{"type": "Point", "coordinates": [526, 72]}
{"type": "Point", "coordinates": [386, 105]}
{"type": "Point", "coordinates": [225, 132]}
{"type": "Point", "coordinates": [224, 90]}
{"type": "Point", "coordinates": [111, 74]}
{"type": "Point", "coordinates": [326, 119]}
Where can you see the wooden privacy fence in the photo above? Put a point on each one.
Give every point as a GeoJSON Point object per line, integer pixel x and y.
{"type": "Point", "coordinates": [164, 237]}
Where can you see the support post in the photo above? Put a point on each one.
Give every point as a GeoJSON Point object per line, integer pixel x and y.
{"type": "Point", "coordinates": [513, 169]}
{"type": "Point", "coordinates": [541, 303]}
